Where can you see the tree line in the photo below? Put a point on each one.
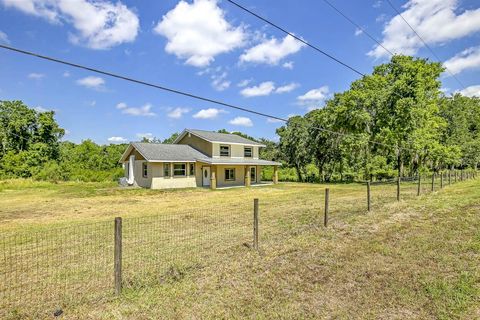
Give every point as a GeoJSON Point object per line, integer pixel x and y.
{"type": "Point", "coordinates": [393, 122]}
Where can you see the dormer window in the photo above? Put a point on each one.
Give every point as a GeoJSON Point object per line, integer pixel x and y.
{"type": "Point", "coordinates": [247, 152]}
{"type": "Point", "coordinates": [224, 151]}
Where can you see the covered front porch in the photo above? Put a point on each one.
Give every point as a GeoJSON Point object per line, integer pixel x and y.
{"type": "Point", "coordinates": [234, 175]}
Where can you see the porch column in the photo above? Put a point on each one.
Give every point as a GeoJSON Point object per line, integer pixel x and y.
{"type": "Point", "coordinates": [171, 169]}
{"type": "Point", "coordinates": [275, 174]}
{"type": "Point", "coordinates": [247, 176]}
{"type": "Point", "coordinates": [213, 178]}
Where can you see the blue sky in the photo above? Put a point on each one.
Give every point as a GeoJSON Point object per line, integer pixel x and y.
{"type": "Point", "coordinates": [213, 49]}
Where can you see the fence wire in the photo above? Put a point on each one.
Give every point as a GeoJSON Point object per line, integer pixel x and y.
{"type": "Point", "coordinates": [46, 270]}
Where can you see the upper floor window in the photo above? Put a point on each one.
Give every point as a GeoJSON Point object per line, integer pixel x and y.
{"type": "Point", "coordinates": [224, 151]}
{"type": "Point", "coordinates": [145, 169]}
{"type": "Point", "coordinates": [179, 169]}
{"type": "Point", "coordinates": [247, 152]}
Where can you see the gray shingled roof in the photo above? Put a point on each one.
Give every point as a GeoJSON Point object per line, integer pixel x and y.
{"type": "Point", "coordinates": [168, 152]}
{"type": "Point", "coordinates": [222, 137]}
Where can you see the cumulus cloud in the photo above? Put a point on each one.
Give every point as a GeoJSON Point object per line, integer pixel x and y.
{"type": "Point", "coordinates": [148, 136]}
{"type": "Point", "coordinates": [437, 22]}
{"type": "Point", "coordinates": [244, 83]}
{"type": "Point", "coordinates": [198, 31]}
{"type": "Point", "coordinates": [4, 37]}
{"type": "Point", "coordinates": [145, 110]}
{"type": "Point", "coordinates": [210, 113]}
{"type": "Point", "coordinates": [263, 89]}
{"type": "Point", "coordinates": [288, 65]}
{"type": "Point", "coordinates": [177, 113]}
{"type": "Point", "coordinates": [36, 76]}
{"type": "Point", "coordinates": [287, 88]}
{"type": "Point", "coordinates": [220, 82]}
{"type": "Point", "coordinates": [98, 24]}
{"type": "Point", "coordinates": [117, 139]}
{"type": "Point", "coordinates": [271, 51]}
{"type": "Point", "coordinates": [241, 121]}
{"type": "Point", "coordinates": [313, 98]}
{"type": "Point", "coordinates": [467, 59]}
{"type": "Point", "coordinates": [471, 91]}
{"type": "Point", "coordinates": [92, 82]}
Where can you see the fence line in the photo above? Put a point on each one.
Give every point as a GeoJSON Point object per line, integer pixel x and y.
{"type": "Point", "coordinates": [42, 271]}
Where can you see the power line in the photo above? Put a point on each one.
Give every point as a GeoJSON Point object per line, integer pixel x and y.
{"type": "Point", "coordinates": [297, 38]}
{"type": "Point", "coordinates": [176, 91]}
{"type": "Point", "coordinates": [425, 43]}
{"type": "Point", "coordinates": [358, 26]}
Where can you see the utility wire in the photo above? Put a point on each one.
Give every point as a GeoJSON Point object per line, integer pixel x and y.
{"type": "Point", "coordinates": [425, 43]}
{"type": "Point", "coordinates": [358, 26]}
{"type": "Point", "coordinates": [176, 91]}
{"type": "Point", "coordinates": [297, 38]}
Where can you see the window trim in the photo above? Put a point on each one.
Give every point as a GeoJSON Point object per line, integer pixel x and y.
{"type": "Point", "coordinates": [245, 154]}
{"type": "Point", "coordinates": [166, 169]}
{"type": "Point", "coordinates": [145, 169]}
{"type": "Point", "coordinates": [229, 179]}
{"type": "Point", "coordinates": [191, 166]}
{"type": "Point", "coordinates": [184, 170]}
{"type": "Point", "coordinates": [229, 150]}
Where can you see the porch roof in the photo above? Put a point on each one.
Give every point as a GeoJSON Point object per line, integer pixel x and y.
{"type": "Point", "coordinates": [239, 161]}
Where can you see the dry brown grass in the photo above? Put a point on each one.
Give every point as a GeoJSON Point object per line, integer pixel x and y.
{"type": "Point", "coordinates": [416, 259]}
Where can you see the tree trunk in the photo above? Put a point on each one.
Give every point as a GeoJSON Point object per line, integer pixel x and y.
{"type": "Point", "coordinates": [299, 173]}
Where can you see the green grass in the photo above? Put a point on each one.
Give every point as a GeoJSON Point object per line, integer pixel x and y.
{"type": "Point", "coordinates": [184, 252]}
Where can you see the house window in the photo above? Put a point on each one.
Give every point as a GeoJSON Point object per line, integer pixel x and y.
{"type": "Point", "coordinates": [229, 174]}
{"type": "Point", "coordinates": [247, 152]}
{"type": "Point", "coordinates": [145, 169]}
{"type": "Point", "coordinates": [224, 151]}
{"type": "Point", "coordinates": [179, 169]}
{"type": "Point", "coordinates": [253, 174]}
{"type": "Point", "coordinates": [166, 169]}
{"type": "Point", "coordinates": [192, 169]}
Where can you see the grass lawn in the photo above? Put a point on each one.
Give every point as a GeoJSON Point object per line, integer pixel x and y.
{"type": "Point", "coordinates": [187, 253]}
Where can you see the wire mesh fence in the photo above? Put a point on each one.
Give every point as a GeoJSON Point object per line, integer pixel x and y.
{"type": "Point", "coordinates": [45, 270]}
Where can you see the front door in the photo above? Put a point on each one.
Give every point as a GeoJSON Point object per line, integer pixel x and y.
{"type": "Point", "coordinates": [206, 176]}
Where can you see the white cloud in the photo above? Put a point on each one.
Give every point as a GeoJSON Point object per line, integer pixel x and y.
{"type": "Point", "coordinates": [41, 109]}
{"type": "Point", "coordinates": [117, 140]}
{"type": "Point", "coordinates": [66, 74]}
{"type": "Point", "coordinates": [177, 113]}
{"type": "Point", "coordinates": [467, 59]}
{"type": "Point", "coordinates": [36, 76]}
{"type": "Point", "coordinates": [99, 24]}
{"type": "Point", "coordinates": [145, 110]}
{"type": "Point", "coordinates": [92, 82]}
{"type": "Point", "coordinates": [219, 81]}
{"type": "Point", "coordinates": [198, 31]}
{"type": "Point", "coordinates": [4, 38]}
{"type": "Point", "coordinates": [314, 98]}
{"type": "Point", "coordinates": [210, 113]}
{"type": "Point", "coordinates": [271, 51]}
{"type": "Point", "coordinates": [241, 121]}
{"type": "Point", "coordinates": [263, 89]}
{"type": "Point", "coordinates": [287, 88]}
{"type": "Point", "coordinates": [288, 65]}
{"type": "Point", "coordinates": [437, 22]}
{"type": "Point", "coordinates": [272, 120]}
{"type": "Point", "coordinates": [358, 31]}
{"type": "Point", "coordinates": [471, 91]}
{"type": "Point", "coordinates": [244, 83]}
{"type": "Point", "coordinates": [147, 135]}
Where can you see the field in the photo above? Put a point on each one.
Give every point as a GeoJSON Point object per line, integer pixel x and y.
{"type": "Point", "coordinates": [188, 253]}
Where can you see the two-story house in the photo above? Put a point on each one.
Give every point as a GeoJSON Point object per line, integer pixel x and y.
{"type": "Point", "coordinates": [197, 158]}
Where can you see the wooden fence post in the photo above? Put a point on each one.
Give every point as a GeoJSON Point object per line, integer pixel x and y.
{"type": "Point", "coordinates": [419, 186]}
{"type": "Point", "coordinates": [449, 177]}
{"type": "Point", "coordinates": [327, 201]}
{"type": "Point", "coordinates": [255, 224]}
{"type": "Point", "coordinates": [433, 181]}
{"type": "Point", "coordinates": [441, 180]}
{"type": "Point", "coordinates": [117, 256]}
{"type": "Point", "coordinates": [368, 196]}
{"type": "Point", "coordinates": [398, 188]}
{"type": "Point", "coordinates": [455, 176]}
{"type": "Point", "coordinates": [461, 175]}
